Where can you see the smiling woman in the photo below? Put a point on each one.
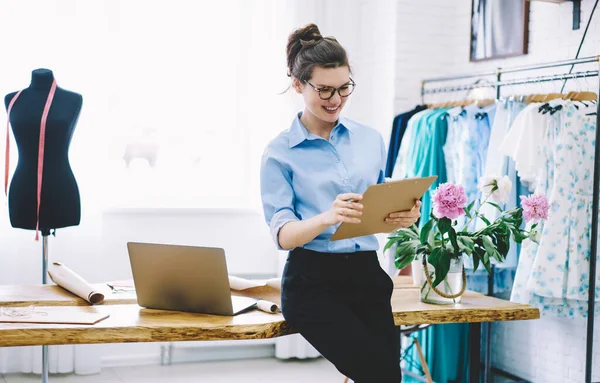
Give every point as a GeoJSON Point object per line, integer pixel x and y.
{"type": "Point", "coordinates": [312, 178]}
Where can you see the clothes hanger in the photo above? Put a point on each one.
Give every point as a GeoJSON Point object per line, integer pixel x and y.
{"type": "Point", "coordinates": [586, 96]}
{"type": "Point", "coordinates": [540, 96]}
{"type": "Point", "coordinates": [536, 97]}
{"type": "Point", "coordinates": [485, 102]}
{"type": "Point", "coordinates": [554, 95]}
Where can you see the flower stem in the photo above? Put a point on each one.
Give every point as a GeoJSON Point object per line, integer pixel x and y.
{"type": "Point", "coordinates": [476, 211]}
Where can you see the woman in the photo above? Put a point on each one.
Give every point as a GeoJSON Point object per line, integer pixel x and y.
{"type": "Point", "coordinates": [312, 178]}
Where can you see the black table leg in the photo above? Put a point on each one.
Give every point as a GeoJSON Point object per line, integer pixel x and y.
{"type": "Point", "coordinates": [474, 352]}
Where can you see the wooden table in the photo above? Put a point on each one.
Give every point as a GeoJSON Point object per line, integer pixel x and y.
{"type": "Point", "coordinates": [130, 323]}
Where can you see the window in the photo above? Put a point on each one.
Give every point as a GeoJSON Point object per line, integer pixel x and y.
{"type": "Point", "coordinates": [180, 97]}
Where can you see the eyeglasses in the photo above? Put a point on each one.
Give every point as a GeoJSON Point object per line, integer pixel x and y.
{"type": "Point", "coordinates": [327, 92]}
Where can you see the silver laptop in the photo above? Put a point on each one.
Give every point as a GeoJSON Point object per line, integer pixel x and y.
{"type": "Point", "coordinates": [184, 278]}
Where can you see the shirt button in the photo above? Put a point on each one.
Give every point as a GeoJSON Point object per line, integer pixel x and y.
{"type": "Point", "coordinates": [345, 182]}
{"type": "Point", "coordinates": [337, 160]}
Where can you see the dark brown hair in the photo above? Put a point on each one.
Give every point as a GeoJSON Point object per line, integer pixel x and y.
{"type": "Point", "coordinates": [306, 48]}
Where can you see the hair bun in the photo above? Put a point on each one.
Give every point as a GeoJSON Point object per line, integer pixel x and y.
{"type": "Point", "coordinates": [308, 35]}
{"type": "Point", "coordinates": [307, 48]}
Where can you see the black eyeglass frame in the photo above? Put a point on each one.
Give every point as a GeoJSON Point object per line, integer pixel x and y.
{"type": "Point", "coordinates": [319, 90]}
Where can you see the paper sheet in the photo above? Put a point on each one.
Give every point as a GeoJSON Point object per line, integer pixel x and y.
{"type": "Point", "coordinates": [237, 283]}
{"type": "Point", "coordinates": [53, 315]}
{"type": "Point", "coordinates": [267, 291]}
{"type": "Point", "coordinates": [71, 281]}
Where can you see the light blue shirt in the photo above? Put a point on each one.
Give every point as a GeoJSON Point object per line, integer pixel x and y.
{"type": "Point", "coordinates": [302, 174]}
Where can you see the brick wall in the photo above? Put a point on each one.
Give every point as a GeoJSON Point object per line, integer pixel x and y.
{"type": "Point", "coordinates": [433, 40]}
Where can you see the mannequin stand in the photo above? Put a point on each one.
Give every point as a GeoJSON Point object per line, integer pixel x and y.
{"type": "Point", "coordinates": [44, 281]}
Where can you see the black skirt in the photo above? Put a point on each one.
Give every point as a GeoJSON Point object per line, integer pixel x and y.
{"type": "Point", "coordinates": [340, 302]}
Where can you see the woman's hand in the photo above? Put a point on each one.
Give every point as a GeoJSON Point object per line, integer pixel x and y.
{"type": "Point", "coordinates": [404, 219]}
{"type": "Point", "coordinates": [345, 208]}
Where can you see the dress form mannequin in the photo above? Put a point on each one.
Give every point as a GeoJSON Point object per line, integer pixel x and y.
{"type": "Point", "coordinates": [60, 201]}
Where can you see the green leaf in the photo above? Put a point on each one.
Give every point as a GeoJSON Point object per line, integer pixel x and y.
{"type": "Point", "coordinates": [452, 235]}
{"type": "Point", "coordinates": [487, 266]}
{"type": "Point", "coordinates": [425, 232]}
{"type": "Point", "coordinates": [487, 221]}
{"type": "Point", "coordinates": [440, 260]}
{"type": "Point", "coordinates": [412, 232]}
{"type": "Point", "coordinates": [503, 244]}
{"type": "Point", "coordinates": [496, 206]}
{"type": "Point", "coordinates": [483, 256]}
{"type": "Point", "coordinates": [475, 261]}
{"type": "Point", "coordinates": [403, 261]}
{"type": "Point", "coordinates": [421, 250]}
{"type": "Point", "coordinates": [391, 243]}
{"type": "Point", "coordinates": [409, 247]}
{"type": "Point", "coordinates": [490, 250]}
{"type": "Point", "coordinates": [406, 253]}
{"type": "Point", "coordinates": [466, 244]}
{"type": "Point", "coordinates": [487, 243]}
{"type": "Point", "coordinates": [444, 225]}
{"type": "Point", "coordinates": [470, 207]}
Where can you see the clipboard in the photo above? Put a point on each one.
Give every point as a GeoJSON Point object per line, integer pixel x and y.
{"type": "Point", "coordinates": [379, 201]}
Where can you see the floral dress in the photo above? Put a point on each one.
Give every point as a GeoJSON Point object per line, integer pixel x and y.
{"type": "Point", "coordinates": [554, 275]}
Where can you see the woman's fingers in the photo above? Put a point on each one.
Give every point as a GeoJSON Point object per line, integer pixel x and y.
{"type": "Point", "coordinates": [344, 218]}
{"type": "Point", "coordinates": [400, 221]}
{"type": "Point", "coordinates": [349, 212]}
{"type": "Point", "coordinates": [348, 205]}
{"type": "Point", "coordinates": [405, 214]}
{"type": "Point", "coordinates": [349, 196]}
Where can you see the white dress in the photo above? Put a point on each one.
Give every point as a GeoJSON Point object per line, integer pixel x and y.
{"type": "Point", "coordinates": [554, 275]}
{"type": "Point", "coordinates": [522, 141]}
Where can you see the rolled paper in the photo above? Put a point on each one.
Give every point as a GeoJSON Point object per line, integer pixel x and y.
{"type": "Point", "coordinates": [72, 282]}
{"type": "Point", "coordinates": [266, 306]}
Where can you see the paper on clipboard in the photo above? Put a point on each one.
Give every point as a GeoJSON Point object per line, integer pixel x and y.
{"type": "Point", "coordinates": [379, 201]}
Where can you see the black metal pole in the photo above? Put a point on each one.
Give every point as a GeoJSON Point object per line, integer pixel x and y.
{"type": "Point", "coordinates": [491, 276]}
{"type": "Point", "coordinates": [594, 250]}
{"type": "Point", "coordinates": [474, 352]}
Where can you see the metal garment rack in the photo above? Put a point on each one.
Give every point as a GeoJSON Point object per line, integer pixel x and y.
{"type": "Point", "coordinates": [498, 84]}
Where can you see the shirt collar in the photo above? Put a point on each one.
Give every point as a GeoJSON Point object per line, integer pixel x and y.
{"type": "Point", "coordinates": [298, 132]}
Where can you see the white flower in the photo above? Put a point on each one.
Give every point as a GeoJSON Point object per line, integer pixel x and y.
{"type": "Point", "coordinates": [535, 236]}
{"type": "Point", "coordinates": [497, 188]}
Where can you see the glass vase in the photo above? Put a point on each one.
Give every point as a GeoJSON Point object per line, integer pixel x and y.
{"type": "Point", "coordinates": [451, 286]}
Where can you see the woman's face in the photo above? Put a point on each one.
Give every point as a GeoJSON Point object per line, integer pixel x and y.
{"type": "Point", "coordinates": [325, 110]}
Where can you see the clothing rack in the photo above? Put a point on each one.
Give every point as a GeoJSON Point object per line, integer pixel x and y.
{"type": "Point", "coordinates": [498, 83]}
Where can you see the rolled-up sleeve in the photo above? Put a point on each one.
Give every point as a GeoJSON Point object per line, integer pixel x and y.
{"type": "Point", "coordinates": [277, 195]}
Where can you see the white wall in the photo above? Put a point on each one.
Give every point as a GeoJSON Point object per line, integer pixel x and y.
{"type": "Point", "coordinates": [96, 248]}
{"type": "Point", "coordinates": [433, 40]}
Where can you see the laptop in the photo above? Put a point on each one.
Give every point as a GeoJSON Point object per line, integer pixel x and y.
{"type": "Point", "coordinates": [184, 278]}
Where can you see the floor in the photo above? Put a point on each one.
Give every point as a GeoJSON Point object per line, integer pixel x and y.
{"type": "Point", "coordinates": [246, 371]}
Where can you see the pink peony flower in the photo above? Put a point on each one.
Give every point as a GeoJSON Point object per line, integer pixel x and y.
{"type": "Point", "coordinates": [449, 201]}
{"type": "Point", "coordinates": [535, 207]}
